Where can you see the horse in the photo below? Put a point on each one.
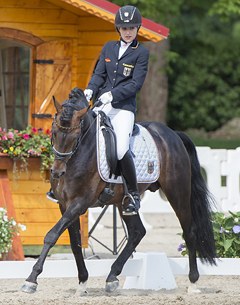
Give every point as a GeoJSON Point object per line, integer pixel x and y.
{"type": "Point", "coordinates": [77, 185]}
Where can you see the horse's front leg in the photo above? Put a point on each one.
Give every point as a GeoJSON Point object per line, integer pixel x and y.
{"type": "Point", "coordinates": [71, 214]}
{"type": "Point", "coordinates": [76, 245]}
{"type": "Point", "coordinates": [136, 232]}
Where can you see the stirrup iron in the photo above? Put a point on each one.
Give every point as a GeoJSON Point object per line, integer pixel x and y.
{"type": "Point", "coordinates": [131, 208]}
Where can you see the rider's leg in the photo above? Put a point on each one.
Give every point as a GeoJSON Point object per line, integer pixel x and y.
{"type": "Point", "coordinates": [128, 171]}
{"type": "Point", "coordinates": [123, 121]}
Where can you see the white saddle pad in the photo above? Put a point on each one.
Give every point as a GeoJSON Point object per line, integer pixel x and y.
{"type": "Point", "coordinates": [145, 156]}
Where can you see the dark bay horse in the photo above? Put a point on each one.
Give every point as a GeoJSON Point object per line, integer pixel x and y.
{"type": "Point", "coordinates": [77, 185]}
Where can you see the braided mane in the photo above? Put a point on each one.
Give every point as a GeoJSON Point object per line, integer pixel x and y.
{"type": "Point", "coordinates": [76, 101]}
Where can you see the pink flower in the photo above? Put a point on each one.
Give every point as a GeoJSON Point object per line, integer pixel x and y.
{"type": "Point", "coordinates": [26, 136]}
{"type": "Point", "coordinates": [10, 135]}
{"type": "Point", "coordinates": [34, 130]}
{"type": "Point", "coordinates": [4, 138]}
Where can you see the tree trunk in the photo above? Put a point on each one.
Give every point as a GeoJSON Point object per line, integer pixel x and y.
{"type": "Point", "coordinates": [152, 102]}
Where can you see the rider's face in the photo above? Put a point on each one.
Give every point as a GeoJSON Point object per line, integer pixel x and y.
{"type": "Point", "coordinates": [128, 34]}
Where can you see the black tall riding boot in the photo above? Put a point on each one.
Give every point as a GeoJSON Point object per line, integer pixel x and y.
{"type": "Point", "coordinates": [128, 171]}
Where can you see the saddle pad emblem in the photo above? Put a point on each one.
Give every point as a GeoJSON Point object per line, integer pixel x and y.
{"type": "Point", "coordinates": [145, 156]}
{"type": "Point", "coordinates": [150, 167]}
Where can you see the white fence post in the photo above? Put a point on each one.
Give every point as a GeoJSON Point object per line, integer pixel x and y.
{"type": "Point", "coordinates": [212, 160]}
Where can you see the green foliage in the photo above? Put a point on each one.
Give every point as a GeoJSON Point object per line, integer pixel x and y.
{"type": "Point", "coordinates": [225, 8]}
{"type": "Point", "coordinates": [204, 86]}
{"type": "Point", "coordinates": [226, 233]}
{"type": "Point", "coordinates": [216, 143]}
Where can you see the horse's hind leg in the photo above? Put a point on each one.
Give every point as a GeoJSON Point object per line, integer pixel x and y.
{"type": "Point", "coordinates": [76, 246]}
{"type": "Point", "coordinates": [136, 232]}
{"type": "Point", "coordinates": [180, 201]}
{"type": "Point", "coordinates": [189, 235]}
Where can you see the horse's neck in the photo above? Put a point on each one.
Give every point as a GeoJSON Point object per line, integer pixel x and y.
{"type": "Point", "coordinates": [89, 124]}
{"type": "Point", "coordinates": [88, 138]}
{"type": "Point", "coordinates": [86, 151]}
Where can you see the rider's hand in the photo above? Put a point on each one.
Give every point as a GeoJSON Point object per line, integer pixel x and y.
{"type": "Point", "coordinates": [88, 94]}
{"type": "Point", "coordinates": [106, 97]}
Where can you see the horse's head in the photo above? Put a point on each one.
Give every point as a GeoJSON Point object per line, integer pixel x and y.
{"type": "Point", "coordinates": [67, 129]}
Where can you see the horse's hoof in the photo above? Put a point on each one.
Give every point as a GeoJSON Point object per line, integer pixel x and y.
{"type": "Point", "coordinates": [111, 286]}
{"type": "Point", "coordinates": [193, 289]}
{"type": "Point", "coordinates": [81, 290]}
{"type": "Point", "coordinates": [29, 287]}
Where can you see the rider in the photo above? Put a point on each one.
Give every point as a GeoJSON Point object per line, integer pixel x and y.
{"type": "Point", "coordinates": [118, 76]}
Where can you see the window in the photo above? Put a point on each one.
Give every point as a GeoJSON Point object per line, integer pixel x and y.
{"type": "Point", "coordinates": [14, 85]}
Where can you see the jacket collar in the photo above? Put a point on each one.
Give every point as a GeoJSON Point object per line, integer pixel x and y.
{"type": "Point", "coordinates": [134, 45]}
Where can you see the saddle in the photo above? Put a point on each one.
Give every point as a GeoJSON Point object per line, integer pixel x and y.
{"type": "Point", "coordinates": [110, 144]}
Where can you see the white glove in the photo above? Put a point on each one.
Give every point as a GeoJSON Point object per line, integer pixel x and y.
{"type": "Point", "coordinates": [88, 94]}
{"type": "Point", "coordinates": [106, 98]}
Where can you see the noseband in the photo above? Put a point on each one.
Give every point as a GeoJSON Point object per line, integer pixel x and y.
{"type": "Point", "coordinates": [59, 155]}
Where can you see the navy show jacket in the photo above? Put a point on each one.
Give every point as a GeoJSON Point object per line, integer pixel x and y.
{"type": "Point", "coordinates": [124, 77]}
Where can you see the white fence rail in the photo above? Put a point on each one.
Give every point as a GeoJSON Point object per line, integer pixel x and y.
{"type": "Point", "coordinates": [222, 169]}
{"type": "Point", "coordinates": [151, 270]}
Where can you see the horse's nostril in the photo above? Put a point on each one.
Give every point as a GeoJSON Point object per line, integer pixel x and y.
{"type": "Point", "coordinates": [57, 174]}
{"type": "Point", "coordinates": [61, 174]}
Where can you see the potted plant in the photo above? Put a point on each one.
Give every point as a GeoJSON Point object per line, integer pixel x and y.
{"type": "Point", "coordinates": [30, 142]}
{"type": "Point", "coordinates": [226, 229]}
{"type": "Point", "coordinates": [8, 229]}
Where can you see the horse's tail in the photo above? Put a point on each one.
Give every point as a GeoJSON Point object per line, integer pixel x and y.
{"type": "Point", "coordinates": [201, 202]}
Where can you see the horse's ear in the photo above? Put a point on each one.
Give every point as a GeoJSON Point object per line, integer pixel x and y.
{"type": "Point", "coordinates": [56, 104]}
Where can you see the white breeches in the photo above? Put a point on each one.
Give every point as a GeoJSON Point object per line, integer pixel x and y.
{"type": "Point", "coordinates": [122, 122]}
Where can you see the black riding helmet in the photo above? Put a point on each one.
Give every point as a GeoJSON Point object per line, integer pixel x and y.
{"type": "Point", "coordinates": [128, 16]}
